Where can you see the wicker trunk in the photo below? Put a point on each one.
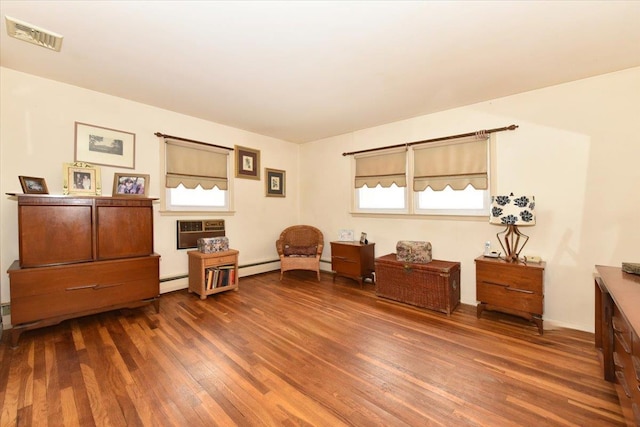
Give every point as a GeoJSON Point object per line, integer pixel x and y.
{"type": "Point", "coordinates": [435, 285]}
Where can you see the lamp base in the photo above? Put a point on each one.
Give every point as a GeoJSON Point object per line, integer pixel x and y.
{"type": "Point", "coordinates": [512, 246]}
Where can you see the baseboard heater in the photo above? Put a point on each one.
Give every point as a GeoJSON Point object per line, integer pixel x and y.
{"type": "Point", "coordinates": [189, 231]}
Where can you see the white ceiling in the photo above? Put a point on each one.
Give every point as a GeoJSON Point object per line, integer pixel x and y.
{"type": "Point", "coordinates": [304, 70]}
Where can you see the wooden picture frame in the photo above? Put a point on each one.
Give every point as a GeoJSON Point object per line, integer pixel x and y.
{"type": "Point", "coordinates": [81, 178]}
{"type": "Point", "coordinates": [247, 162]}
{"type": "Point", "coordinates": [130, 185]}
{"type": "Point", "coordinates": [98, 145]}
{"type": "Point", "coordinates": [275, 182]}
{"type": "Point", "coordinates": [33, 185]}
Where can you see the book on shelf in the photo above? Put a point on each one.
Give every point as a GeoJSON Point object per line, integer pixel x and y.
{"type": "Point", "coordinates": [225, 275]}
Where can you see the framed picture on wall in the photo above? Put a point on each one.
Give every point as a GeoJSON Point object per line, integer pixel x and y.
{"type": "Point", "coordinates": [274, 182]}
{"type": "Point", "coordinates": [247, 163]}
{"type": "Point", "coordinates": [81, 178]}
{"type": "Point", "coordinates": [130, 184]}
{"type": "Point", "coordinates": [98, 145]}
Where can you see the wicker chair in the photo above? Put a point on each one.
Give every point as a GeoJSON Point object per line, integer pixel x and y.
{"type": "Point", "coordinates": [299, 248]}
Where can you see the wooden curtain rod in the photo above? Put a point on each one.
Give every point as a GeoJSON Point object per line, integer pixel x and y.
{"type": "Point", "coordinates": [191, 140]}
{"type": "Point", "coordinates": [426, 141]}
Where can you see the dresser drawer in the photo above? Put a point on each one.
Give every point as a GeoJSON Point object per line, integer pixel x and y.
{"type": "Point", "coordinates": [61, 290]}
{"type": "Point", "coordinates": [345, 251]}
{"type": "Point", "coordinates": [346, 266]}
{"type": "Point", "coordinates": [509, 297]}
{"type": "Point", "coordinates": [227, 259]}
{"type": "Point", "coordinates": [515, 276]}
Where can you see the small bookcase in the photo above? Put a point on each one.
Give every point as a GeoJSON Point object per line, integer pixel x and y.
{"type": "Point", "coordinates": [213, 273]}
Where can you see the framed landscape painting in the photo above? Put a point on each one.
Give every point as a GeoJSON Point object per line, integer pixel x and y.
{"type": "Point", "coordinates": [98, 145]}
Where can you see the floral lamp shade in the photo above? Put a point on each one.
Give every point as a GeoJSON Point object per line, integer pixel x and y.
{"type": "Point", "coordinates": [513, 210]}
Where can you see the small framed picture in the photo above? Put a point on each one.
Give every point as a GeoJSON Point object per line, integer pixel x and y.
{"type": "Point", "coordinates": [274, 182]}
{"type": "Point", "coordinates": [33, 185]}
{"type": "Point", "coordinates": [363, 238]}
{"type": "Point", "coordinates": [247, 163]}
{"type": "Point", "coordinates": [103, 146]}
{"type": "Point", "coordinates": [129, 184]}
{"type": "Point", "coordinates": [81, 178]}
{"type": "Point", "coordinates": [345, 235]}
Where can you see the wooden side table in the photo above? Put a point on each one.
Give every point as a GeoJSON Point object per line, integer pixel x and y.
{"type": "Point", "coordinates": [510, 287]}
{"type": "Point", "coordinates": [213, 273]}
{"type": "Point", "coordinates": [353, 260]}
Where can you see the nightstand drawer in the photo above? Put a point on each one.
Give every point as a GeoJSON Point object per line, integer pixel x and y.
{"type": "Point", "coordinates": [515, 276]}
{"type": "Point", "coordinates": [509, 297]}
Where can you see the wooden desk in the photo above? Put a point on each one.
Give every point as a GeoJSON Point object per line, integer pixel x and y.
{"type": "Point", "coordinates": [617, 327]}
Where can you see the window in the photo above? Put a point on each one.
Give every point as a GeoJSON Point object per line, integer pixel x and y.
{"type": "Point", "coordinates": [447, 178]}
{"type": "Point", "coordinates": [197, 199]}
{"type": "Point", "coordinates": [390, 199]}
{"type": "Point", "coordinates": [195, 176]}
{"type": "Point", "coordinates": [453, 202]}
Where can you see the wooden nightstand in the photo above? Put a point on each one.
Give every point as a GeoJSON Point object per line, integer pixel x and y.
{"type": "Point", "coordinates": [513, 288]}
{"type": "Point", "coordinates": [213, 273]}
{"type": "Point", "coordinates": [354, 260]}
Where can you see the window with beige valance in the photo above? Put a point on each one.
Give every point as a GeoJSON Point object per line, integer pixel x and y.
{"type": "Point", "coordinates": [455, 163]}
{"type": "Point", "coordinates": [384, 168]}
{"type": "Point", "coordinates": [192, 164]}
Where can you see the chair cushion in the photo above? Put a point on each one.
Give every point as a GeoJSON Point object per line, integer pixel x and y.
{"type": "Point", "coordinates": [300, 250]}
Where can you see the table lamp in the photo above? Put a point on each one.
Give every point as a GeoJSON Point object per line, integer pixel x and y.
{"type": "Point", "coordinates": [512, 211]}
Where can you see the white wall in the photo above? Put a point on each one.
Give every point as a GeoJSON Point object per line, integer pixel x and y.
{"type": "Point", "coordinates": [37, 136]}
{"type": "Point", "coordinates": [577, 149]}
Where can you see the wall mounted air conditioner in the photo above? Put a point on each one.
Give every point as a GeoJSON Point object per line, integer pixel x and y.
{"type": "Point", "coordinates": [188, 232]}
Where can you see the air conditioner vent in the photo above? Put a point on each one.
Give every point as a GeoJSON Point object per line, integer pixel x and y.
{"type": "Point", "coordinates": [32, 34]}
{"type": "Point", "coordinates": [190, 231]}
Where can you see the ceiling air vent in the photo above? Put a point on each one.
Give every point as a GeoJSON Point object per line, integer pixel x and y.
{"type": "Point", "coordinates": [32, 34]}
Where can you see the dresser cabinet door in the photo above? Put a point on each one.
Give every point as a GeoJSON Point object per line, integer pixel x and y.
{"type": "Point", "coordinates": [124, 228]}
{"type": "Point", "coordinates": [55, 233]}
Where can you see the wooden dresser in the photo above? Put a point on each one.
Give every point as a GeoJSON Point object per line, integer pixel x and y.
{"type": "Point", "coordinates": [511, 287]}
{"type": "Point", "coordinates": [79, 256]}
{"type": "Point", "coordinates": [617, 327]}
{"type": "Point", "coordinates": [354, 260]}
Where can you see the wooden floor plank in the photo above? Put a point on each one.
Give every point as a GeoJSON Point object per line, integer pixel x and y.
{"type": "Point", "coordinates": [299, 352]}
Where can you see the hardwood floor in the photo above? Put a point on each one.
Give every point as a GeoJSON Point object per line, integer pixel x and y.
{"type": "Point", "coordinates": [301, 353]}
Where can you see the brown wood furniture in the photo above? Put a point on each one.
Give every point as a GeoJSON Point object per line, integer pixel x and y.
{"type": "Point", "coordinates": [434, 285]}
{"type": "Point", "coordinates": [510, 287]}
{"type": "Point", "coordinates": [302, 353]}
{"type": "Point", "coordinates": [300, 248]}
{"type": "Point", "coordinates": [208, 273]}
{"type": "Point", "coordinates": [79, 256]}
{"type": "Point", "coordinates": [617, 296]}
{"type": "Point", "coordinates": [353, 260]}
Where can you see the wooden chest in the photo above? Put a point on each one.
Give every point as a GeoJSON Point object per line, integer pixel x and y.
{"type": "Point", "coordinates": [434, 285]}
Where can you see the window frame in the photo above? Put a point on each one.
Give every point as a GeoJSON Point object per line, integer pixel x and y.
{"type": "Point", "coordinates": [412, 198]}
{"type": "Point", "coordinates": [165, 199]}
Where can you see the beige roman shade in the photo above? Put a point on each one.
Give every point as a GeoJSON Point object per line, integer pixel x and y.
{"type": "Point", "coordinates": [384, 168]}
{"type": "Point", "coordinates": [457, 163]}
{"type": "Point", "coordinates": [191, 164]}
